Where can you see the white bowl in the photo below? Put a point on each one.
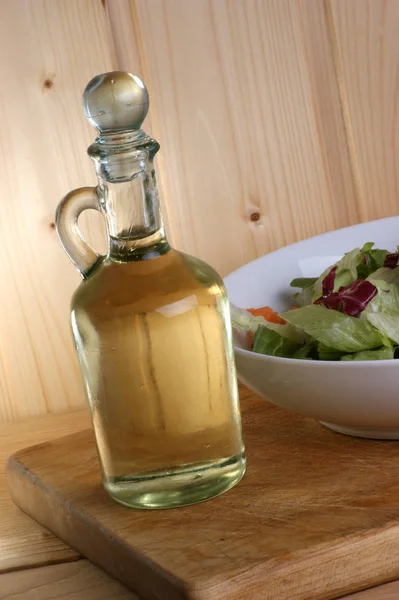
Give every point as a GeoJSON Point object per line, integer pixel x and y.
{"type": "Point", "coordinates": [355, 398]}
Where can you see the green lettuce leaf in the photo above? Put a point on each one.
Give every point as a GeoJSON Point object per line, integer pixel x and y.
{"type": "Point", "coordinates": [272, 343]}
{"type": "Point", "coordinates": [383, 311]}
{"type": "Point", "coordinates": [372, 260]}
{"type": "Point", "coordinates": [388, 275]}
{"type": "Point", "coordinates": [387, 324]}
{"type": "Point", "coordinates": [303, 282]}
{"type": "Point", "coordinates": [381, 354]}
{"type": "Point", "coordinates": [327, 353]}
{"type": "Point", "coordinates": [242, 320]}
{"type": "Point", "coordinates": [305, 351]}
{"type": "Point", "coordinates": [304, 297]}
{"type": "Point", "coordinates": [347, 268]}
{"type": "Point", "coordinates": [334, 329]}
{"type": "Point", "coordinates": [386, 300]}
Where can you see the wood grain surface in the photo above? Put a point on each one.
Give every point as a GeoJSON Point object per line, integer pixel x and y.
{"type": "Point", "coordinates": [250, 124]}
{"type": "Point", "coordinates": [49, 51]}
{"type": "Point", "coordinates": [367, 55]}
{"type": "Point", "coordinates": [315, 517]}
{"type": "Point", "coordinates": [389, 591]}
{"type": "Point", "coordinates": [75, 581]}
{"type": "Point", "coordinates": [24, 543]}
{"type": "Point", "coordinates": [83, 581]}
{"type": "Point", "coordinates": [277, 120]}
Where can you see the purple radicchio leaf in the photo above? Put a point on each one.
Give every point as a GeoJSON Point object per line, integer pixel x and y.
{"type": "Point", "coordinates": [328, 282]}
{"type": "Point", "coordinates": [351, 299]}
{"type": "Point", "coordinates": [392, 260]}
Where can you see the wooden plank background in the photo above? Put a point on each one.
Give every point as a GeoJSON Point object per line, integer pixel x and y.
{"type": "Point", "coordinates": [278, 119]}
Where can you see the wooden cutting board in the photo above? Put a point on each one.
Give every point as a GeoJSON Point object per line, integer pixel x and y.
{"type": "Point", "coordinates": [315, 517]}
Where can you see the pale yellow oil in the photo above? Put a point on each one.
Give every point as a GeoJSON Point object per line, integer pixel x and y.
{"type": "Point", "coordinates": [153, 338]}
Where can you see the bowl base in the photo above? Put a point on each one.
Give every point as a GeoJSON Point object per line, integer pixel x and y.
{"type": "Point", "coordinates": [374, 434]}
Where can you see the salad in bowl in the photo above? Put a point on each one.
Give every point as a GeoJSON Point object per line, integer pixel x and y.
{"type": "Point", "coordinates": [316, 328]}
{"type": "Point", "coordinates": [349, 312]}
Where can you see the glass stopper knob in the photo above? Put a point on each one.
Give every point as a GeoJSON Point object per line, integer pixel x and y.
{"type": "Point", "coordinates": [115, 102]}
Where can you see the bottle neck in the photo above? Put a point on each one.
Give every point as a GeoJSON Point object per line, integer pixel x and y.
{"type": "Point", "coordinates": [128, 195]}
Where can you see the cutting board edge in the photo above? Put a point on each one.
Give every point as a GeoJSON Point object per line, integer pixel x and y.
{"type": "Point", "coordinates": [276, 571]}
{"type": "Point", "coordinates": [136, 579]}
{"type": "Point", "coordinates": [19, 476]}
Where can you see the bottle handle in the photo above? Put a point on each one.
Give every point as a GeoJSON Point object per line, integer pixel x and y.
{"type": "Point", "coordinates": [68, 212]}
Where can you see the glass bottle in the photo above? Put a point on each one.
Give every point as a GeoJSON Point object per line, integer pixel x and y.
{"type": "Point", "coordinates": [151, 325]}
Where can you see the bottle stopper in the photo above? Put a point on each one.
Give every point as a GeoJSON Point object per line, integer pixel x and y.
{"type": "Point", "coordinates": [115, 102]}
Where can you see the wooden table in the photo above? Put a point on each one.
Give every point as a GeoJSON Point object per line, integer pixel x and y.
{"type": "Point", "coordinates": [34, 565]}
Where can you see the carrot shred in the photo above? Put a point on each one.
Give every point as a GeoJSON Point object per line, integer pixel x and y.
{"type": "Point", "coordinates": [267, 313]}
